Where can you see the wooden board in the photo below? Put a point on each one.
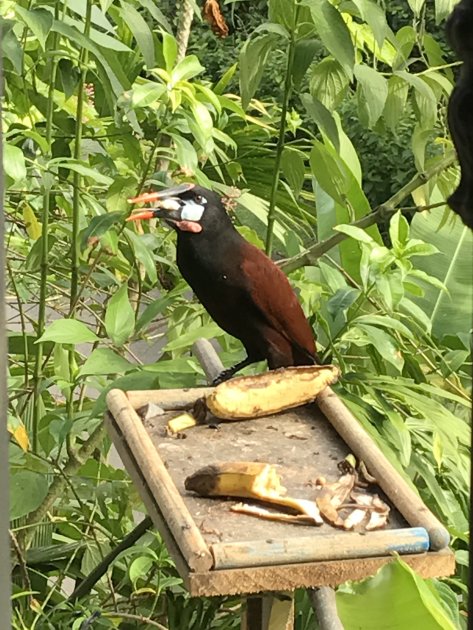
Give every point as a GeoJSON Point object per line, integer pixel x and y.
{"type": "Point", "coordinates": [304, 446]}
{"type": "Point", "coordinates": [300, 442]}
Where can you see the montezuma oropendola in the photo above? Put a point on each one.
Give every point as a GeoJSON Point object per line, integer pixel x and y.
{"type": "Point", "coordinates": [239, 286]}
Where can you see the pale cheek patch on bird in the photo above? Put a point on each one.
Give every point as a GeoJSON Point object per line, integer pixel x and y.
{"type": "Point", "coordinates": [190, 215]}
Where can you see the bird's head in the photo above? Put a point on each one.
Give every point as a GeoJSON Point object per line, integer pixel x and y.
{"type": "Point", "coordinates": [186, 208]}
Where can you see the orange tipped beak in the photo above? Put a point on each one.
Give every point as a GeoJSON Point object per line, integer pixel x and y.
{"type": "Point", "coordinates": [141, 214]}
{"type": "Point", "coordinates": [145, 198]}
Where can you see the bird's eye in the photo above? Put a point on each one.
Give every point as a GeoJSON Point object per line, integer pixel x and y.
{"type": "Point", "coordinates": [198, 198]}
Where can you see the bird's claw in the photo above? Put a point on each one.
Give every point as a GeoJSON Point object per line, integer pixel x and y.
{"type": "Point", "coordinates": [223, 376]}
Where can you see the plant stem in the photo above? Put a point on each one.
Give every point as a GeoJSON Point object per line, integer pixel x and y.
{"type": "Point", "coordinates": [288, 86]}
{"type": "Point", "coordinates": [44, 265]}
{"type": "Point", "coordinates": [76, 182]}
{"type": "Point", "coordinates": [381, 213]}
{"type": "Point", "coordinates": [84, 55]}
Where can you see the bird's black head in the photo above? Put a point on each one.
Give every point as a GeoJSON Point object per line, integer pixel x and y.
{"type": "Point", "coordinates": [186, 208]}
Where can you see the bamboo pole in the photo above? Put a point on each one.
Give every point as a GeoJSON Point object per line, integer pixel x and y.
{"type": "Point", "coordinates": [338, 546]}
{"type": "Point", "coordinates": [176, 514]}
{"type": "Point", "coordinates": [407, 501]}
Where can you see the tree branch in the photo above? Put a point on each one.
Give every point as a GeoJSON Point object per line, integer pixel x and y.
{"type": "Point", "coordinates": [381, 213]}
{"type": "Point", "coordinates": [94, 576]}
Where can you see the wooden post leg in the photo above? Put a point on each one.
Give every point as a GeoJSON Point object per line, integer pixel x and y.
{"type": "Point", "coordinates": [325, 607]}
{"type": "Point", "coordinates": [266, 612]}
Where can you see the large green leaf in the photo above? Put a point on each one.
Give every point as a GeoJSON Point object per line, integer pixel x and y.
{"type": "Point", "coordinates": [39, 21]}
{"type": "Point", "coordinates": [27, 491]}
{"type": "Point", "coordinates": [372, 94]}
{"type": "Point", "coordinates": [68, 331]}
{"type": "Point", "coordinates": [14, 161]}
{"type": "Point", "coordinates": [253, 57]}
{"type": "Point", "coordinates": [120, 317]}
{"type": "Point", "coordinates": [333, 32]}
{"type": "Point", "coordinates": [396, 598]}
{"type": "Point", "coordinates": [450, 312]}
{"type": "Point", "coordinates": [141, 32]}
{"type": "Point", "coordinates": [105, 361]}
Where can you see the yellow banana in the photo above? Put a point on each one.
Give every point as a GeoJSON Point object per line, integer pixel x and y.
{"type": "Point", "coordinates": [270, 392]}
{"type": "Point", "coordinates": [250, 480]}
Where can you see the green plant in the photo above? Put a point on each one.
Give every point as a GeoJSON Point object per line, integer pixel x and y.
{"type": "Point", "coordinates": [97, 110]}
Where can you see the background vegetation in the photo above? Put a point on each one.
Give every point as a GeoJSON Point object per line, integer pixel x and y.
{"type": "Point", "coordinates": [331, 120]}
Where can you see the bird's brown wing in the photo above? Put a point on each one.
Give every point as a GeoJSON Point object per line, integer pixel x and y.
{"type": "Point", "coordinates": [275, 299]}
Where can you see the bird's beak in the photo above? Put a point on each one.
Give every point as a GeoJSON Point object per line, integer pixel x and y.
{"type": "Point", "coordinates": [167, 203]}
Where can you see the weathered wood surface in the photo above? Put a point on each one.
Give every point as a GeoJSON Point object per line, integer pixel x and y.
{"type": "Point", "coordinates": [180, 522]}
{"type": "Point", "coordinates": [330, 573]}
{"type": "Point", "coordinates": [302, 445]}
{"type": "Point", "coordinates": [339, 545]}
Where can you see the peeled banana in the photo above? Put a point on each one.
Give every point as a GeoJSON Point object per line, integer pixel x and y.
{"type": "Point", "coordinates": [250, 480]}
{"type": "Point", "coordinates": [270, 392]}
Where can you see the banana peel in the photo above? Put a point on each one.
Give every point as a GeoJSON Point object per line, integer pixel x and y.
{"type": "Point", "coordinates": [249, 480]}
{"type": "Point", "coordinates": [270, 392]}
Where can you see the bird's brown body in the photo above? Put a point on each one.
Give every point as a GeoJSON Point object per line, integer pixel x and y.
{"type": "Point", "coordinates": [243, 290]}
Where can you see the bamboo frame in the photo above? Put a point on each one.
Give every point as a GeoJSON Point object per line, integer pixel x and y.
{"type": "Point", "coordinates": [337, 546]}
{"type": "Point", "coordinates": [180, 523]}
{"type": "Point", "coordinates": [406, 500]}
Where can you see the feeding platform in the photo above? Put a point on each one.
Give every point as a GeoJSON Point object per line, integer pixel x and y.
{"type": "Point", "coordinates": [220, 552]}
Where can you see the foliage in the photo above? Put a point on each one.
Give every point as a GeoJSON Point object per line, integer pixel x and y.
{"type": "Point", "coordinates": [98, 109]}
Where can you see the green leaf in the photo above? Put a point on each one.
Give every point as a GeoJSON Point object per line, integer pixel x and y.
{"type": "Point", "coordinates": [443, 8]}
{"type": "Point", "coordinates": [156, 13]}
{"type": "Point", "coordinates": [395, 107]}
{"type": "Point", "coordinates": [224, 80]}
{"type": "Point", "coordinates": [169, 51]}
{"type": "Point", "coordinates": [283, 12]}
{"type": "Point", "coordinates": [38, 20]}
{"type": "Point", "coordinates": [154, 309]}
{"type": "Point", "coordinates": [140, 568]}
{"type": "Point", "coordinates": [304, 53]}
{"type": "Point", "coordinates": [372, 92]}
{"type": "Point", "coordinates": [68, 331]}
{"type": "Point", "coordinates": [11, 47]}
{"type": "Point", "coordinates": [141, 32]}
{"type": "Point", "coordinates": [322, 117]}
{"type": "Point", "coordinates": [416, 5]}
{"type": "Point", "coordinates": [83, 169]}
{"type": "Point", "coordinates": [333, 32]}
{"type": "Point", "coordinates": [292, 164]}
{"type": "Point", "coordinates": [384, 321]}
{"type": "Point", "coordinates": [146, 94]}
{"type": "Point", "coordinates": [452, 266]}
{"type": "Point", "coordinates": [98, 226]}
{"type": "Point", "coordinates": [111, 73]}
{"type": "Point", "coordinates": [329, 171]}
{"type": "Point", "coordinates": [328, 83]}
{"type": "Point", "coordinates": [399, 230]}
{"type": "Point", "coordinates": [27, 491]}
{"type": "Point", "coordinates": [395, 595]}
{"type": "Point", "coordinates": [425, 98]}
{"type": "Point", "coordinates": [187, 69]}
{"type": "Point", "coordinates": [355, 232]}
{"type": "Point", "coordinates": [375, 17]}
{"type": "Point", "coordinates": [105, 361]}
{"type": "Point", "coordinates": [119, 317]}
{"type": "Point", "coordinates": [253, 57]}
{"type": "Point", "coordinates": [143, 254]}
{"type": "Point", "coordinates": [184, 341]}
{"type": "Point", "coordinates": [14, 162]}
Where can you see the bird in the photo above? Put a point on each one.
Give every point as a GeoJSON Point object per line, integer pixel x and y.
{"type": "Point", "coordinates": [240, 287]}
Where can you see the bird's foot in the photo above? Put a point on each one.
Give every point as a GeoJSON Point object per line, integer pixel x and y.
{"type": "Point", "coordinates": [223, 376]}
